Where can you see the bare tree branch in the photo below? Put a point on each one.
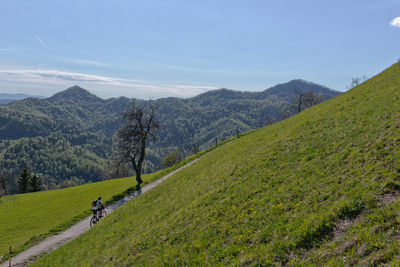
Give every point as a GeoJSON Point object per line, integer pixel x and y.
{"type": "Point", "coordinates": [192, 142]}
{"type": "Point", "coordinates": [355, 81]}
{"type": "Point", "coordinates": [139, 126]}
{"type": "Point", "coordinates": [305, 100]}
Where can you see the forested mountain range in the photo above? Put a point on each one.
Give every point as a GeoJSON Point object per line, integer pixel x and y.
{"type": "Point", "coordinates": [6, 98]}
{"type": "Point", "coordinates": [67, 138]}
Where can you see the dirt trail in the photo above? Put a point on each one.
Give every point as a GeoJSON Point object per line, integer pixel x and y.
{"type": "Point", "coordinates": [53, 242]}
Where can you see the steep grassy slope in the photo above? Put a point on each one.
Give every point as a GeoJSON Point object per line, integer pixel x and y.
{"type": "Point", "coordinates": [28, 218]}
{"type": "Point", "coordinates": [318, 188]}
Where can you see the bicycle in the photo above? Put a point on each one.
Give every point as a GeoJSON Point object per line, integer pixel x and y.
{"type": "Point", "coordinates": [97, 216]}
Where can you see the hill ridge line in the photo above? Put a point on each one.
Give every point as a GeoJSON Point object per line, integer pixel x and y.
{"type": "Point", "coordinates": [53, 242]}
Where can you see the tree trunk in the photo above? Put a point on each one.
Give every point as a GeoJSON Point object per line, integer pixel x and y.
{"type": "Point", "coordinates": [139, 177]}
{"type": "Point", "coordinates": [140, 162]}
{"type": "Point", "coordinates": [138, 170]}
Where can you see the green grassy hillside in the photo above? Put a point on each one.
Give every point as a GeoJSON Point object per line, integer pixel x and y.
{"type": "Point", "coordinates": [28, 218]}
{"type": "Point", "coordinates": [319, 188]}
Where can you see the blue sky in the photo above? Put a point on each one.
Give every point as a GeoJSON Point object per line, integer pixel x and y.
{"type": "Point", "coordinates": [152, 49]}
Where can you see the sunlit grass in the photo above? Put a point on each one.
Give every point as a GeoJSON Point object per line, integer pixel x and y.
{"type": "Point", "coordinates": [28, 218]}
{"type": "Point", "coordinates": [271, 197]}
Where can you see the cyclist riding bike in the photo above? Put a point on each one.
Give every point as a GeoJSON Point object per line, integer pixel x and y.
{"type": "Point", "coordinates": [97, 207]}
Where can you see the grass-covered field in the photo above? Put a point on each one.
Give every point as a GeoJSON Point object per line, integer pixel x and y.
{"type": "Point", "coordinates": [28, 218]}
{"type": "Point", "coordinates": [319, 188]}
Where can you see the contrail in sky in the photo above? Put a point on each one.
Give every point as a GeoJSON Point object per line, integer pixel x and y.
{"type": "Point", "coordinates": [40, 41]}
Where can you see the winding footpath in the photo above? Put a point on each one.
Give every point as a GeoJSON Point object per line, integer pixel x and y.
{"type": "Point", "coordinates": [51, 243]}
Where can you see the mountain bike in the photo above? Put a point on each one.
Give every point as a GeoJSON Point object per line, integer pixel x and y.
{"type": "Point", "coordinates": [97, 216]}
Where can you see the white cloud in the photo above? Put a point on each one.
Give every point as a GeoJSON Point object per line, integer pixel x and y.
{"type": "Point", "coordinates": [395, 22]}
{"type": "Point", "coordinates": [84, 62]}
{"type": "Point", "coordinates": [109, 86]}
{"type": "Point", "coordinates": [40, 41]}
{"type": "Point", "coordinates": [53, 75]}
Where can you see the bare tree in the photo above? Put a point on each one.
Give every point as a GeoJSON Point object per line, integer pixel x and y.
{"type": "Point", "coordinates": [311, 99]}
{"type": "Point", "coordinates": [355, 81]}
{"type": "Point", "coordinates": [237, 131]}
{"type": "Point", "coordinates": [192, 141]}
{"type": "Point", "coordinates": [298, 101]}
{"type": "Point", "coordinates": [139, 126]}
{"type": "Point", "coordinates": [305, 100]}
{"type": "Point", "coordinates": [117, 169]}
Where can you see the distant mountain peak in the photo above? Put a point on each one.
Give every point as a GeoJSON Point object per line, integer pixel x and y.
{"type": "Point", "coordinates": [76, 87]}
{"type": "Point", "coordinates": [219, 91]}
{"type": "Point", "coordinates": [75, 93]}
{"type": "Point", "coordinates": [222, 92]}
{"type": "Point", "coordinates": [291, 88]}
{"type": "Point", "coordinates": [301, 81]}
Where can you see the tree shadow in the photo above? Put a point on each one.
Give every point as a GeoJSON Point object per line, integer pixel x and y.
{"type": "Point", "coordinates": [138, 190]}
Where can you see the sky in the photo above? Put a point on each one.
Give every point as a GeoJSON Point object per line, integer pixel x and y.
{"type": "Point", "coordinates": [158, 48]}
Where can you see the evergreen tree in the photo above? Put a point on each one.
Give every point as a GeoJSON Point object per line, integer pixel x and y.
{"type": "Point", "coordinates": [4, 183]}
{"type": "Point", "coordinates": [34, 182]}
{"type": "Point", "coordinates": [23, 180]}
